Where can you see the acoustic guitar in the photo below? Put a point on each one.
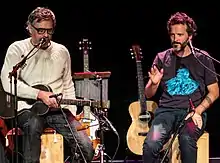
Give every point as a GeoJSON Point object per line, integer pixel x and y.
{"type": "Point", "coordinates": [8, 113]}
{"type": "Point", "coordinates": [141, 111]}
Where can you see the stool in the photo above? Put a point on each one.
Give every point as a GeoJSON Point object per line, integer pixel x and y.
{"type": "Point", "coordinates": [52, 147]}
{"type": "Point", "coordinates": [202, 153]}
{"type": "Point", "coordinates": [9, 142]}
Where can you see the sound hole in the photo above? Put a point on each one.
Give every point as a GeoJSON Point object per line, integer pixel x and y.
{"type": "Point", "coordinates": [145, 116]}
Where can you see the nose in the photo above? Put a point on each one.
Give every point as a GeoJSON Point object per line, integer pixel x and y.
{"type": "Point", "coordinates": [176, 38]}
{"type": "Point", "coordinates": [46, 34]}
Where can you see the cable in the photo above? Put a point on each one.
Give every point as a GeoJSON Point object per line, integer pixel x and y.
{"type": "Point", "coordinates": [113, 157]}
{"type": "Point", "coordinates": [203, 63]}
{"type": "Point", "coordinates": [64, 115]}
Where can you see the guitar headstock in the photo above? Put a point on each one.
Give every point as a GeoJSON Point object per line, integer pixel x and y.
{"type": "Point", "coordinates": [85, 44]}
{"type": "Point", "coordinates": [136, 52]}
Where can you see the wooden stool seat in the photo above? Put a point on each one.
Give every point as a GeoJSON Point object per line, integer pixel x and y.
{"type": "Point", "coordinates": [202, 153]}
{"type": "Point", "coordinates": [52, 147]}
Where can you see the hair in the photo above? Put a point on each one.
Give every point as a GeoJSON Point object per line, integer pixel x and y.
{"type": "Point", "coordinates": [182, 18]}
{"type": "Point", "coordinates": [41, 13]}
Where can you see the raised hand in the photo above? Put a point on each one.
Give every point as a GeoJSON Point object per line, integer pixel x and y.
{"type": "Point", "coordinates": [155, 75]}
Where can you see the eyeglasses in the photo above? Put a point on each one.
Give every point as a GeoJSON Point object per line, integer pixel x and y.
{"type": "Point", "coordinates": [50, 31]}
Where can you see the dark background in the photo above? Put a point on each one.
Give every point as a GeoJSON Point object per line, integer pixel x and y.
{"type": "Point", "coordinates": [112, 28]}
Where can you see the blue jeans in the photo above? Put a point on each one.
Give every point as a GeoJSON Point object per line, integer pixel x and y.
{"type": "Point", "coordinates": [34, 125]}
{"type": "Point", "coordinates": [164, 124]}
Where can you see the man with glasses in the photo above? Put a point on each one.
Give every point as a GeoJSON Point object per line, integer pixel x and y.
{"type": "Point", "coordinates": [48, 64]}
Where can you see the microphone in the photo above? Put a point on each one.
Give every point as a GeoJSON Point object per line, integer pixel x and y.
{"type": "Point", "coordinates": [55, 95]}
{"type": "Point", "coordinates": [42, 41]}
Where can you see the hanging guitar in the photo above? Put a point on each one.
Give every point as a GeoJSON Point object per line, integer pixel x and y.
{"type": "Point", "coordinates": [87, 117]}
{"type": "Point", "coordinates": [141, 111]}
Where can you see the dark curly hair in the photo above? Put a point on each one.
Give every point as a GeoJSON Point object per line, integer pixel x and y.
{"type": "Point", "coordinates": [41, 13]}
{"type": "Point", "coordinates": [182, 18]}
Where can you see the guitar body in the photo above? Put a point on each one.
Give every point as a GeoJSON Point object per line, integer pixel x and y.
{"type": "Point", "coordinates": [7, 111]}
{"type": "Point", "coordinates": [138, 129]}
{"type": "Point", "coordinates": [91, 127]}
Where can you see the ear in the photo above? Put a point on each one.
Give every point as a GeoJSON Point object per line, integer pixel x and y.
{"type": "Point", "coordinates": [29, 29]}
{"type": "Point", "coordinates": [190, 37]}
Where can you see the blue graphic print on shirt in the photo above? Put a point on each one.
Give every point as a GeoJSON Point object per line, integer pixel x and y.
{"type": "Point", "coordinates": [182, 84]}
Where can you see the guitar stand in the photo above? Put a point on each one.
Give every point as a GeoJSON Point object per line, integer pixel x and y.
{"type": "Point", "coordinates": [101, 130]}
{"type": "Point", "coordinates": [102, 121]}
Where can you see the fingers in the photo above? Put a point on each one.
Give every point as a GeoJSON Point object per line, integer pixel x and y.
{"type": "Point", "coordinates": [199, 123]}
{"type": "Point", "coordinates": [155, 69]}
{"type": "Point", "coordinates": [53, 103]}
{"type": "Point", "coordinates": [189, 115]}
{"type": "Point", "coordinates": [197, 119]}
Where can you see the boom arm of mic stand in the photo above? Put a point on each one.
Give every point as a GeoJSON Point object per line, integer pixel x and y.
{"type": "Point", "coordinates": [196, 49]}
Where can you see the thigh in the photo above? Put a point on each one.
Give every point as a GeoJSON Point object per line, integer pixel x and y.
{"type": "Point", "coordinates": [161, 128]}
{"type": "Point", "coordinates": [70, 133]}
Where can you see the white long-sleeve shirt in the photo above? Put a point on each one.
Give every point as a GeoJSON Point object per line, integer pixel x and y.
{"type": "Point", "coordinates": [50, 67]}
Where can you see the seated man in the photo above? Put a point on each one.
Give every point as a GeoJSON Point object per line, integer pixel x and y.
{"type": "Point", "coordinates": [49, 65]}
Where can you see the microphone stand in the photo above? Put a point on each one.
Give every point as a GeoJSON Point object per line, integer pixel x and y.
{"type": "Point", "coordinates": [101, 124]}
{"type": "Point", "coordinates": [13, 73]}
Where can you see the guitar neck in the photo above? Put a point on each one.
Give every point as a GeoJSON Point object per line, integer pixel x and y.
{"type": "Point", "coordinates": [79, 102]}
{"type": "Point", "coordinates": [141, 86]}
{"type": "Point", "coordinates": [85, 61]}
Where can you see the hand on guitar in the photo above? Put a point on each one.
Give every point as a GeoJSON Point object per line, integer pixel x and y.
{"type": "Point", "coordinates": [50, 102]}
{"type": "Point", "coordinates": [155, 75]}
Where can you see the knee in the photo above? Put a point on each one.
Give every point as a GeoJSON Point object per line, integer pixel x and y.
{"type": "Point", "coordinates": [151, 147]}
{"type": "Point", "coordinates": [34, 125]}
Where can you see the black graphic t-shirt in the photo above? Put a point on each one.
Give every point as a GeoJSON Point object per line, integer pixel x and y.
{"type": "Point", "coordinates": [184, 78]}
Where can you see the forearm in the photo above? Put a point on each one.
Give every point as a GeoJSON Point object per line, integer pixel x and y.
{"type": "Point", "coordinates": [208, 101]}
{"type": "Point", "coordinates": [151, 89]}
